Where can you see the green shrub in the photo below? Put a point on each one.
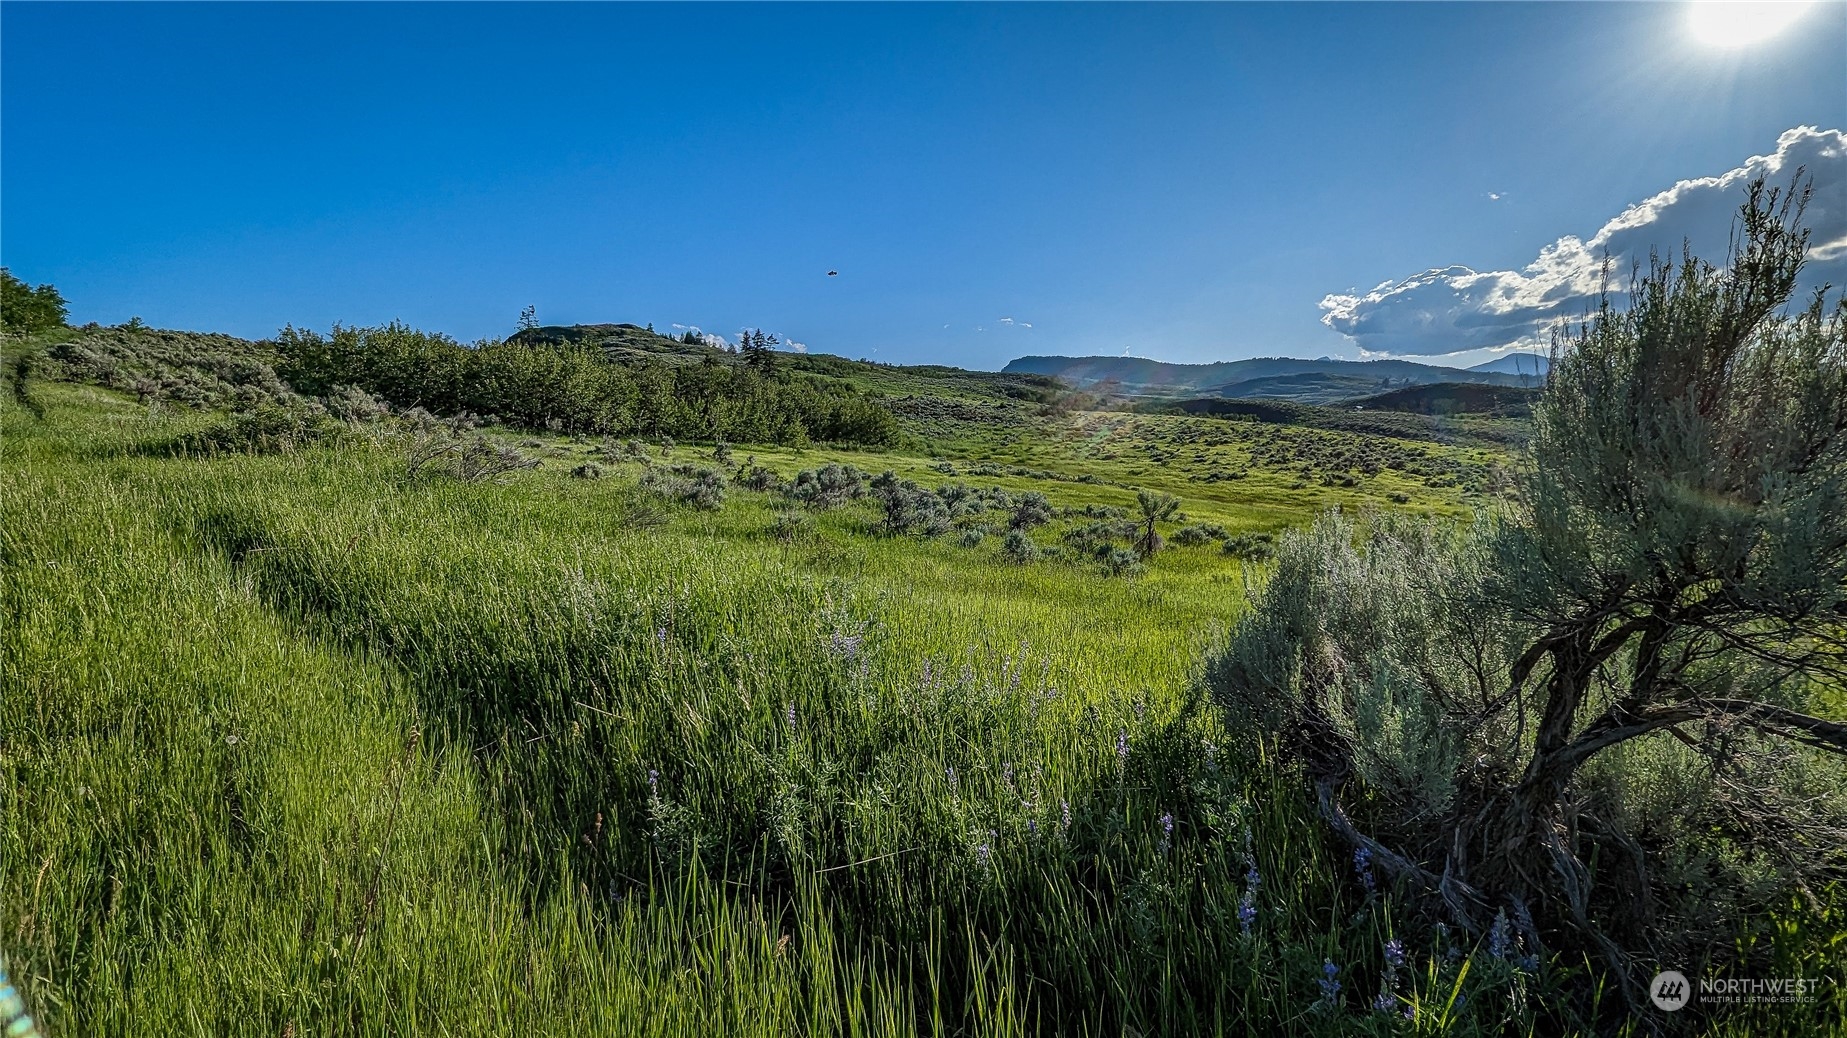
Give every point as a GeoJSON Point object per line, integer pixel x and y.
{"type": "Point", "coordinates": [1018, 546]}
{"type": "Point", "coordinates": [1251, 547]}
{"type": "Point", "coordinates": [699, 487]}
{"type": "Point", "coordinates": [1031, 510]}
{"type": "Point", "coordinates": [830, 486]}
{"type": "Point", "coordinates": [792, 526]}
{"type": "Point", "coordinates": [1196, 534]}
{"type": "Point", "coordinates": [909, 508]}
{"type": "Point", "coordinates": [266, 429]}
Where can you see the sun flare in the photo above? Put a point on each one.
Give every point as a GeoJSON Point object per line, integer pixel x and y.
{"type": "Point", "coordinates": [1722, 23]}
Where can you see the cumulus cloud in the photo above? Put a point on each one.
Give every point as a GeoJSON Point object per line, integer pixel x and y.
{"type": "Point", "coordinates": [1452, 309]}
{"type": "Point", "coordinates": [1495, 196]}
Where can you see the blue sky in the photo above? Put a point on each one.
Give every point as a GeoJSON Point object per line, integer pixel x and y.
{"type": "Point", "coordinates": [1190, 182]}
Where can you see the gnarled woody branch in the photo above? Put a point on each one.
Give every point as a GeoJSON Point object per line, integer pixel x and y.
{"type": "Point", "coordinates": [1619, 725]}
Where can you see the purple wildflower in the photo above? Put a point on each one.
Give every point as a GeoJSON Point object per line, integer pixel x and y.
{"type": "Point", "coordinates": [1500, 937]}
{"type": "Point", "coordinates": [1383, 1003]}
{"type": "Point", "coordinates": [1394, 953]}
{"type": "Point", "coordinates": [790, 717]}
{"type": "Point", "coordinates": [1064, 814]}
{"type": "Point", "coordinates": [1122, 745]}
{"type": "Point", "coordinates": [951, 772]}
{"type": "Point", "coordinates": [1329, 982]}
{"type": "Point", "coordinates": [1032, 827]}
{"type": "Point", "coordinates": [1362, 864]}
{"type": "Point", "coordinates": [1247, 909]}
{"type": "Point", "coordinates": [844, 645]}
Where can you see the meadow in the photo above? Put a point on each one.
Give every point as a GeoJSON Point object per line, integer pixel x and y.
{"type": "Point", "coordinates": [295, 741]}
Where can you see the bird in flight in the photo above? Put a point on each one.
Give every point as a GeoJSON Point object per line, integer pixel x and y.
{"type": "Point", "coordinates": [833, 273]}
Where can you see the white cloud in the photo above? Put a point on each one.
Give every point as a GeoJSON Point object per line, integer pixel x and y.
{"type": "Point", "coordinates": [1495, 196]}
{"type": "Point", "coordinates": [705, 338]}
{"type": "Point", "coordinates": [1451, 309]}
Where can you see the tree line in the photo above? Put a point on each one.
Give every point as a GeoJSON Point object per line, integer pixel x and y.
{"type": "Point", "coordinates": [27, 309]}
{"type": "Point", "coordinates": [575, 389]}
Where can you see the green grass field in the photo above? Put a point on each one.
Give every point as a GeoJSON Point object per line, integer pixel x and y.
{"type": "Point", "coordinates": [291, 744]}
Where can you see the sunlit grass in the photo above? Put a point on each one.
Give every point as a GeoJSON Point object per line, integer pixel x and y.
{"type": "Point", "coordinates": [290, 742]}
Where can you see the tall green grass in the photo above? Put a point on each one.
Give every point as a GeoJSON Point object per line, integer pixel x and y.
{"type": "Point", "coordinates": [290, 745]}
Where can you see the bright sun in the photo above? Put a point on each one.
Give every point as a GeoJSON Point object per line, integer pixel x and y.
{"type": "Point", "coordinates": [1721, 24]}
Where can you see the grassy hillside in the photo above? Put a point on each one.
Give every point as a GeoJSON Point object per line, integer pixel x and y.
{"type": "Point", "coordinates": [1309, 388]}
{"type": "Point", "coordinates": [1138, 376]}
{"type": "Point", "coordinates": [1454, 398]}
{"type": "Point", "coordinates": [296, 740]}
{"type": "Point", "coordinates": [630, 343]}
{"type": "Point", "coordinates": [1479, 431]}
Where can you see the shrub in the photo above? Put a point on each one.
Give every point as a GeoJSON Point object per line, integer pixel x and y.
{"type": "Point", "coordinates": [1018, 546]}
{"type": "Point", "coordinates": [479, 459]}
{"type": "Point", "coordinates": [830, 486]}
{"type": "Point", "coordinates": [1251, 547]}
{"type": "Point", "coordinates": [752, 476]}
{"type": "Point", "coordinates": [972, 537]}
{"type": "Point", "coordinates": [352, 404]}
{"type": "Point", "coordinates": [701, 488]}
{"type": "Point", "coordinates": [588, 470]}
{"type": "Point", "coordinates": [1119, 562]}
{"type": "Point", "coordinates": [1598, 721]}
{"type": "Point", "coordinates": [1032, 510]}
{"type": "Point", "coordinates": [1199, 533]}
{"type": "Point", "coordinates": [266, 429]}
{"type": "Point", "coordinates": [792, 526]}
{"type": "Point", "coordinates": [909, 508]}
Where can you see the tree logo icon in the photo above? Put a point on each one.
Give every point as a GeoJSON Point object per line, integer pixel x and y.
{"type": "Point", "coordinates": [1669, 990]}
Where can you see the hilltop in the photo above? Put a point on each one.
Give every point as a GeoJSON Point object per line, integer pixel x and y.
{"type": "Point", "coordinates": [1531, 365]}
{"type": "Point", "coordinates": [629, 343]}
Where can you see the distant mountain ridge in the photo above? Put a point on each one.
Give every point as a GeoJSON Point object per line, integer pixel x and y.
{"type": "Point", "coordinates": [1532, 364]}
{"type": "Point", "coordinates": [1256, 377]}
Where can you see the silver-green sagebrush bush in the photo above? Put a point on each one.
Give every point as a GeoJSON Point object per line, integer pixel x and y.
{"type": "Point", "coordinates": [1603, 718]}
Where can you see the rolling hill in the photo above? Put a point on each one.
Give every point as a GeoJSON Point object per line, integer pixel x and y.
{"type": "Point", "coordinates": [1454, 398]}
{"type": "Point", "coordinates": [1138, 376]}
{"type": "Point", "coordinates": [1526, 364]}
